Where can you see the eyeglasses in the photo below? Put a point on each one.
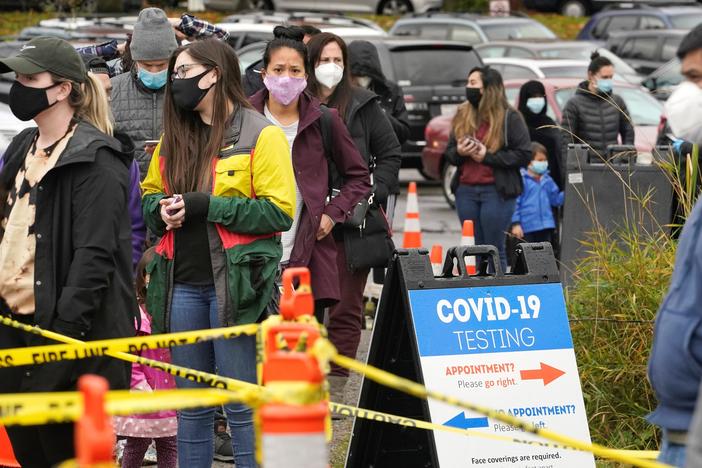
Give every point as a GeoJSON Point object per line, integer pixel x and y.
{"type": "Point", "coordinates": [182, 70]}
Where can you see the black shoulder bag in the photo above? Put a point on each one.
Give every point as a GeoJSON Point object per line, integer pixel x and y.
{"type": "Point", "coordinates": [367, 236]}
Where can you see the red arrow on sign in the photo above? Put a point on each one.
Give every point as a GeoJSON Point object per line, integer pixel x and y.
{"type": "Point", "coordinates": [547, 373]}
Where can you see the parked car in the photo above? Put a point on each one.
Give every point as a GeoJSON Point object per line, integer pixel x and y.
{"type": "Point", "coordinates": [250, 54]}
{"type": "Point", "coordinates": [664, 80]}
{"type": "Point", "coordinates": [578, 8]}
{"type": "Point", "coordinates": [573, 50]}
{"type": "Point", "coordinates": [645, 114]}
{"type": "Point", "coordinates": [470, 28]}
{"type": "Point", "coordinates": [9, 126]}
{"type": "Point", "coordinates": [380, 7]}
{"type": "Point", "coordinates": [249, 28]}
{"type": "Point", "coordinates": [645, 51]}
{"type": "Point", "coordinates": [517, 68]}
{"type": "Point", "coordinates": [640, 17]}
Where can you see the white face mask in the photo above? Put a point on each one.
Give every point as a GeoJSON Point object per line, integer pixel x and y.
{"type": "Point", "coordinates": [363, 81]}
{"type": "Point", "coordinates": [329, 74]}
{"type": "Point", "coordinates": [683, 112]}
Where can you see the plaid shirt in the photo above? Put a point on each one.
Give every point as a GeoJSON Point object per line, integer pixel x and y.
{"type": "Point", "coordinates": [200, 29]}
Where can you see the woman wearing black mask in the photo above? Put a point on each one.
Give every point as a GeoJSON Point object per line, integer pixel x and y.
{"type": "Point", "coordinates": [219, 190]}
{"type": "Point", "coordinates": [489, 142]}
{"type": "Point", "coordinates": [542, 128]}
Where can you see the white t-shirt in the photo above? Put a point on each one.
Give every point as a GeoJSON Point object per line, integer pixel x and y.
{"type": "Point", "coordinates": [288, 237]}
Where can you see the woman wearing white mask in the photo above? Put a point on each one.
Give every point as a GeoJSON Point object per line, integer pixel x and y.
{"type": "Point", "coordinates": [376, 141]}
{"type": "Point", "coordinates": [595, 115]}
{"type": "Point", "coordinates": [542, 128]}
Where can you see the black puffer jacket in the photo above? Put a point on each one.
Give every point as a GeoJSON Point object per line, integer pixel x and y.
{"type": "Point", "coordinates": [596, 119]}
{"type": "Point", "coordinates": [83, 264]}
{"type": "Point", "coordinates": [252, 80]}
{"type": "Point", "coordinates": [364, 61]}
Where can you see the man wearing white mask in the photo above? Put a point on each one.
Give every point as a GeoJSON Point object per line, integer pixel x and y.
{"type": "Point", "coordinates": [137, 95]}
{"type": "Point", "coordinates": [675, 364]}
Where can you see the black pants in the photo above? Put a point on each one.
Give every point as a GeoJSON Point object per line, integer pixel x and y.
{"type": "Point", "coordinates": [545, 235]}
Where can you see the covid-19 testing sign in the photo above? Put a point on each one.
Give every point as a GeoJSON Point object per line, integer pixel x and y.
{"type": "Point", "coordinates": [508, 348]}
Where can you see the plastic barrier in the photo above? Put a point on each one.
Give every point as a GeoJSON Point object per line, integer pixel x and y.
{"type": "Point", "coordinates": [609, 194]}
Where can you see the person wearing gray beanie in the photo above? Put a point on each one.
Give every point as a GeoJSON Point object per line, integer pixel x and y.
{"type": "Point", "coordinates": [137, 94]}
{"type": "Point", "coordinates": [153, 37]}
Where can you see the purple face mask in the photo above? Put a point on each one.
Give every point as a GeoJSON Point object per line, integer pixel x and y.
{"type": "Point", "coordinates": [284, 89]}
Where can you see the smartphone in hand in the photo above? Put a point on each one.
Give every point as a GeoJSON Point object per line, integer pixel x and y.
{"type": "Point", "coordinates": [176, 199]}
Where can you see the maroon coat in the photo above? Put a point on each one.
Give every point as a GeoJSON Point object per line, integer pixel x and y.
{"type": "Point", "coordinates": [311, 174]}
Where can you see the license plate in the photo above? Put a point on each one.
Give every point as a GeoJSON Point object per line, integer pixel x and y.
{"type": "Point", "coordinates": [448, 109]}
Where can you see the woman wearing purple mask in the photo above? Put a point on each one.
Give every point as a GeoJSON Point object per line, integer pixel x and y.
{"type": "Point", "coordinates": [284, 102]}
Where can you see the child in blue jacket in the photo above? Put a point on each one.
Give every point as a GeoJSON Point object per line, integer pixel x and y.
{"type": "Point", "coordinates": [533, 218]}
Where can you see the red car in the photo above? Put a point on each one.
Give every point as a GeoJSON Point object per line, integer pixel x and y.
{"type": "Point", "coordinates": [645, 113]}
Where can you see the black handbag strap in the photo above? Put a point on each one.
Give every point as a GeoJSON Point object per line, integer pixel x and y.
{"type": "Point", "coordinates": [325, 126]}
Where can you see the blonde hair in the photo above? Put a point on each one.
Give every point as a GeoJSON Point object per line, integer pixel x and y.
{"type": "Point", "coordinates": [90, 102]}
{"type": "Point", "coordinates": [491, 110]}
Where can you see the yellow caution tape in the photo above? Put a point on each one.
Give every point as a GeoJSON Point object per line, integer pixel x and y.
{"type": "Point", "coordinates": [28, 409]}
{"type": "Point", "coordinates": [62, 352]}
{"type": "Point", "coordinates": [74, 464]}
{"type": "Point", "coordinates": [326, 350]}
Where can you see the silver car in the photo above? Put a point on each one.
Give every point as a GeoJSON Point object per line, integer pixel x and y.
{"type": "Point", "coordinates": [381, 7]}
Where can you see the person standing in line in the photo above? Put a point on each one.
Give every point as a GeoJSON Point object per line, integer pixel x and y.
{"type": "Point", "coordinates": [65, 262]}
{"type": "Point", "coordinates": [542, 128]}
{"type": "Point", "coordinates": [674, 365]}
{"type": "Point", "coordinates": [137, 94]}
{"type": "Point", "coordinates": [489, 143]}
{"type": "Point", "coordinates": [376, 141]}
{"type": "Point", "coordinates": [309, 243]}
{"type": "Point", "coordinates": [219, 191]}
{"type": "Point", "coordinates": [595, 116]}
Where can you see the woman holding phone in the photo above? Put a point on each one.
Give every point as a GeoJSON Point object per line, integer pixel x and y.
{"type": "Point", "coordinates": [489, 143]}
{"type": "Point", "coordinates": [220, 190]}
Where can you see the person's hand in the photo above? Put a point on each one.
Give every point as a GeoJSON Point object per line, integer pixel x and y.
{"type": "Point", "coordinates": [180, 36]}
{"type": "Point", "coordinates": [121, 48]}
{"type": "Point", "coordinates": [479, 152]}
{"type": "Point", "coordinates": [517, 231]}
{"type": "Point", "coordinates": [465, 147]}
{"type": "Point", "coordinates": [173, 214]}
{"type": "Point", "coordinates": [149, 148]}
{"type": "Point", "coordinates": [325, 227]}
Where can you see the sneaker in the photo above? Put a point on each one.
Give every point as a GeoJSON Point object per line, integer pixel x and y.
{"type": "Point", "coordinates": [119, 450]}
{"type": "Point", "coordinates": [150, 456]}
{"type": "Point", "coordinates": [223, 447]}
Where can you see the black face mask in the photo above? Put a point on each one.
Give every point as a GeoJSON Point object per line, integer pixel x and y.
{"type": "Point", "coordinates": [473, 95]}
{"type": "Point", "coordinates": [186, 93]}
{"type": "Point", "coordinates": [26, 103]}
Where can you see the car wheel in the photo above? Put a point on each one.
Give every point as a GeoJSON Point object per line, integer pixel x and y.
{"type": "Point", "coordinates": [447, 173]}
{"type": "Point", "coordinates": [574, 8]}
{"type": "Point", "coordinates": [266, 5]}
{"type": "Point", "coordinates": [395, 7]}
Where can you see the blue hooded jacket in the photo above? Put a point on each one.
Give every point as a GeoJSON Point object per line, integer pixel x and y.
{"type": "Point", "coordinates": [533, 211]}
{"type": "Point", "coordinates": [675, 365]}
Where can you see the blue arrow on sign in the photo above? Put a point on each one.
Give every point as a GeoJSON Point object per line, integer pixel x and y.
{"type": "Point", "coordinates": [461, 422]}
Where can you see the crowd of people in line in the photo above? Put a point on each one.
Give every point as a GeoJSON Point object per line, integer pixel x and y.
{"type": "Point", "coordinates": [229, 178]}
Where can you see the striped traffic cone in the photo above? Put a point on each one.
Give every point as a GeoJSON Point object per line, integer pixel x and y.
{"type": "Point", "coordinates": [437, 259]}
{"type": "Point", "coordinates": [413, 231]}
{"type": "Point", "coordinates": [7, 456]}
{"type": "Point", "coordinates": [468, 238]}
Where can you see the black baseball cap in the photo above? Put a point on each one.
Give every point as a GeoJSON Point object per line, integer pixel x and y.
{"type": "Point", "coordinates": [46, 54]}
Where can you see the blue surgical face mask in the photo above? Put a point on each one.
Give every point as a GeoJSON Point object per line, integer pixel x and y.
{"type": "Point", "coordinates": [153, 80]}
{"type": "Point", "coordinates": [536, 104]}
{"type": "Point", "coordinates": [540, 167]}
{"type": "Point", "coordinates": [604, 85]}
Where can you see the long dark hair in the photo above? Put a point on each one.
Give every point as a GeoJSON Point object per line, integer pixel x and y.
{"type": "Point", "coordinates": [341, 97]}
{"type": "Point", "coordinates": [286, 36]}
{"type": "Point", "coordinates": [188, 143]}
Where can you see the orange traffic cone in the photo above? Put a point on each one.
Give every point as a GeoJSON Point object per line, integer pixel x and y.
{"type": "Point", "coordinates": [7, 456]}
{"type": "Point", "coordinates": [413, 230]}
{"type": "Point", "coordinates": [468, 238]}
{"type": "Point", "coordinates": [94, 435]}
{"type": "Point", "coordinates": [437, 259]}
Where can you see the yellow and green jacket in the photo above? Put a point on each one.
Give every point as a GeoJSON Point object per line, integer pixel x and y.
{"type": "Point", "coordinates": [252, 201]}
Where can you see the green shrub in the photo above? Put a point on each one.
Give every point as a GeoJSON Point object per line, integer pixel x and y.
{"type": "Point", "coordinates": [466, 5]}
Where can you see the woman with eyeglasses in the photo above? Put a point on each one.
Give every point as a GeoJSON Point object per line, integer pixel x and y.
{"type": "Point", "coordinates": [220, 190]}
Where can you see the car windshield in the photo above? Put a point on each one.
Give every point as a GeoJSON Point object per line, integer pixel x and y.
{"type": "Point", "coordinates": [686, 21]}
{"type": "Point", "coordinates": [644, 109]}
{"type": "Point", "coordinates": [565, 71]}
{"type": "Point", "coordinates": [431, 67]}
{"type": "Point", "coordinates": [517, 30]}
{"type": "Point", "coordinates": [575, 53]}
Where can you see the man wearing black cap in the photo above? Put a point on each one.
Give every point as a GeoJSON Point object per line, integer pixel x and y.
{"type": "Point", "coordinates": [65, 261]}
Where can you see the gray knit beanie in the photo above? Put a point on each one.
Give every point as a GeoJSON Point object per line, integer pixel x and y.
{"type": "Point", "coordinates": [153, 37]}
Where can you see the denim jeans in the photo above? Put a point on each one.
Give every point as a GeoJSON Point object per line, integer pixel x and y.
{"type": "Point", "coordinates": [195, 308]}
{"type": "Point", "coordinates": [672, 454]}
{"type": "Point", "coordinates": [491, 215]}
